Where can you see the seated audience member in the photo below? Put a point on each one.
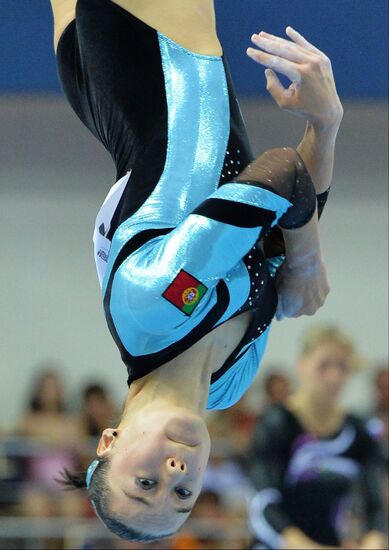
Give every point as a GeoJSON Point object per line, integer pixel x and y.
{"type": "Point", "coordinates": [46, 415]}
{"type": "Point", "coordinates": [211, 526]}
{"type": "Point", "coordinates": [308, 455]}
{"type": "Point", "coordinates": [382, 396]}
{"type": "Point", "coordinates": [57, 433]}
{"type": "Point", "coordinates": [231, 429]}
{"type": "Point", "coordinates": [277, 388]}
{"type": "Point", "coordinates": [97, 409]}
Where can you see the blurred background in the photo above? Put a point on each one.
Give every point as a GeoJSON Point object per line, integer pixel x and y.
{"type": "Point", "coordinates": [56, 354]}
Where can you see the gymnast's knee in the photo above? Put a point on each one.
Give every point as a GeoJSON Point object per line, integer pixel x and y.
{"type": "Point", "coordinates": [283, 171]}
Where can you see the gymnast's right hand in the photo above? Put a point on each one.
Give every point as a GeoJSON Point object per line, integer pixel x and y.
{"type": "Point", "coordinates": [302, 287]}
{"type": "Point", "coordinates": [312, 93]}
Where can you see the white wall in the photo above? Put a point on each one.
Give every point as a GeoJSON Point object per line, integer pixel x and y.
{"type": "Point", "coordinates": [50, 303]}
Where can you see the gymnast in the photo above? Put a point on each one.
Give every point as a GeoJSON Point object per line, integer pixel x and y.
{"type": "Point", "coordinates": [308, 456]}
{"type": "Point", "coordinates": [198, 244]}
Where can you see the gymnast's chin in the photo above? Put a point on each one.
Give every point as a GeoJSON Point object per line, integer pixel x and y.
{"type": "Point", "coordinates": [148, 471]}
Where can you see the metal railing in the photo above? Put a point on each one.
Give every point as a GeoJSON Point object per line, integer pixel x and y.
{"type": "Point", "coordinates": [76, 533]}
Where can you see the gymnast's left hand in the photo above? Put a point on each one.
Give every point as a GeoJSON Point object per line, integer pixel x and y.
{"type": "Point", "coordinates": [312, 93]}
{"type": "Point", "coordinates": [302, 289]}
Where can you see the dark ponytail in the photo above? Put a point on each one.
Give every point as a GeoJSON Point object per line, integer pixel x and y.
{"type": "Point", "coordinates": [77, 480]}
{"type": "Point", "coordinates": [72, 480]}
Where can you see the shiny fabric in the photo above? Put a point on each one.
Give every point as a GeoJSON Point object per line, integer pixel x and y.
{"type": "Point", "coordinates": [231, 387]}
{"type": "Point", "coordinates": [143, 321]}
{"type": "Point", "coordinates": [171, 121]}
{"type": "Point", "coordinates": [198, 131]}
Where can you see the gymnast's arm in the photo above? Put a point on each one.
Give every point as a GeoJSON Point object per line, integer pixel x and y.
{"type": "Point", "coordinates": [267, 463]}
{"type": "Point", "coordinates": [311, 95]}
{"type": "Point", "coordinates": [302, 281]}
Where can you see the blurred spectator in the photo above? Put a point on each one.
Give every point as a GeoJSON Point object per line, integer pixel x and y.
{"type": "Point", "coordinates": [48, 394]}
{"type": "Point", "coordinates": [57, 434]}
{"type": "Point", "coordinates": [277, 388]}
{"type": "Point", "coordinates": [54, 441]}
{"type": "Point", "coordinates": [308, 456]}
{"type": "Point", "coordinates": [46, 415]}
{"type": "Point", "coordinates": [226, 478]}
{"type": "Point", "coordinates": [231, 428]}
{"type": "Point", "coordinates": [211, 526]}
{"type": "Point", "coordinates": [379, 421]}
{"type": "Point", "coordinates": [97, 410]}
{"type": "Point", "coordinates": [382, 396]}
{"type": "Point", "coordinates": [209, 509]}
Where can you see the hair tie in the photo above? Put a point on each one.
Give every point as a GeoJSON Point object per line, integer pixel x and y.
{"type": "Point", "coordinates": [91, 470]}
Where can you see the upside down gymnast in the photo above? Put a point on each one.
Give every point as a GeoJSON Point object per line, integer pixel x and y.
{"type": "Point", "coordinates": [198, 245]}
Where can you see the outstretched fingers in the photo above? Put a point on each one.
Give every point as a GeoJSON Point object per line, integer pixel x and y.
{"type": "Point", "coordinates": [282, 47]}
{"type": "Point", "coordinates": [277, 63]}
{"type": "Point", "coordinates": [300, 40]}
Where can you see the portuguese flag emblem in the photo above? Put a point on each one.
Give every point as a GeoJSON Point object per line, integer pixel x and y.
{"type": "Point", "coordinates": [185, 292]}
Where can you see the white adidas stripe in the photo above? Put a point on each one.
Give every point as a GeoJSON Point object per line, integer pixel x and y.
{"type": "Point", "coordinates": [102, 245]}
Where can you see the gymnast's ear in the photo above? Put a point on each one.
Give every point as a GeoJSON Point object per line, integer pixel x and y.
{"type": "Point", "coordinates": [106, 442]}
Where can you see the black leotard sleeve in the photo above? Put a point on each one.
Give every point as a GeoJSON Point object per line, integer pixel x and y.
{"type": "Point", "coordinates": [274, 242]}
{"type": "Point", "coordinates": [268, 464]}
{"type": "Point", "coordinates": [309, 481]}
{"type": "Point", "coordinates": [372, 475]}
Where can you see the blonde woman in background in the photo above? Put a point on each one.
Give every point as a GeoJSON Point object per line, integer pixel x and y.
{"type": "Point", "coordinates": [308, 454]}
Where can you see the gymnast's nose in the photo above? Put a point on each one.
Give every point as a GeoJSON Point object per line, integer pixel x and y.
{"type": "Point", "coordinates": [174, 465]}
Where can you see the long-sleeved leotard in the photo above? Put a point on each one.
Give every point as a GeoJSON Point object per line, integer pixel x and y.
{"type": "Point", "coordinates": [178, 242]}
{"type": "Point", "coordinates": [306, 481]}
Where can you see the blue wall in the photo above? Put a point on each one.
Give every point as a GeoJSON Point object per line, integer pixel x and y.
{"type": "Point", "coordinates": [353, 33]}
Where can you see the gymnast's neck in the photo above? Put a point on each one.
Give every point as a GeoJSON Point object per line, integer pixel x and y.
{"type": "Point", "coordinates": [183, 382]}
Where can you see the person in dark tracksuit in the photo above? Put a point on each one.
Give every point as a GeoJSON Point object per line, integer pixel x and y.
{"type": "Point", "coordinates": [309, 459]}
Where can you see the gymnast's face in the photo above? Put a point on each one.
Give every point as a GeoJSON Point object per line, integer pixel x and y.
{"type": "Point", "coordinates": [157, 463]}
{"type": "Point", "coordinates": [325, 370]}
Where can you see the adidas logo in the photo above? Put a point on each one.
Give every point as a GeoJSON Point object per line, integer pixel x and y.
{"type": "Point", "coordinates": [103, 255]}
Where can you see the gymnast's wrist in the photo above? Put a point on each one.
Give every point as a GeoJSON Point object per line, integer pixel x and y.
{"type": "Point", "coordinates": [325, 129]}
{"type": "Point", "coordinates": [330, 121]}
{"type": "Point", "coordinates": [307, 266]}
{"type": "Point", "coordinates": [302, 246]}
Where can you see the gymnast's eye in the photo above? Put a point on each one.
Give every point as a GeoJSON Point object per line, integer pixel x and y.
{"type": "Point", "coordinates": [183, 493]}
{"type": "Point", "coordinates": [146, 483]}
